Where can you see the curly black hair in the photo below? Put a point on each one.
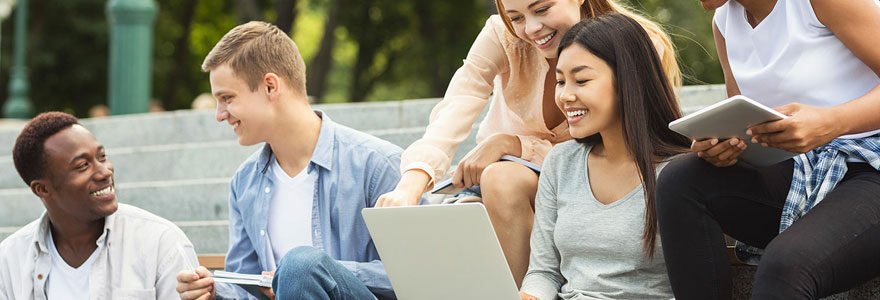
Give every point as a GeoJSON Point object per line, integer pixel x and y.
{"type": "Point", "coordinates": [28, 154]}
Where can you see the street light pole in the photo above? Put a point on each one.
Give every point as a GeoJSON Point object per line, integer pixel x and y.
{"type": "Point", "coordinates": [131, 48]}
{"type": "Point", "coordinates": [18, 105]}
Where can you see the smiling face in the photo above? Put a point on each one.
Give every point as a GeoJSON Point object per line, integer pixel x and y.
{"type": "Point", "coordinates": [542, 23]}
{"type": "Point", "coordinates": [247, 111]}
{"type": "Point", "coordinates": [79, 179]}
{"type": "Point", "coordinates": [585, 92]}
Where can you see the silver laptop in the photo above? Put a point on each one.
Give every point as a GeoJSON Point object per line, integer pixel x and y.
{"type": "Point", "coordinates": [441, 252]}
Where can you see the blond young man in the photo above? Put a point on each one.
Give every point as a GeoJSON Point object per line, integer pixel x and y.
{"type": "Point", "coordinates": [295, 204]}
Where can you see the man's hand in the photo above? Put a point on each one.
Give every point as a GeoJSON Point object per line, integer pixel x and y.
{"type": "Point", "coordinates": [719, 153]}
{"type": "Point", "coordinates": [268, 291]}
{"type": "Point", "coordinates": [196, 285]}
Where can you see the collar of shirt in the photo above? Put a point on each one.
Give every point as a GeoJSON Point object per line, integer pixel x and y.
{"type": "Point", "coordinates": [42, 237]}
{"type": "Point", "coordinates": [43, 264]}
{"type": "Point", "coordinates": [323, 154]}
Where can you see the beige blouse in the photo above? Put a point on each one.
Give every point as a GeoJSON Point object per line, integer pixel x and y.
{"type": "Point", "coordinates": [499, 63]}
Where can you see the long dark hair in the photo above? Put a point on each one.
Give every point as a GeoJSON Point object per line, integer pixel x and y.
{"type": "Point", "coordinates": [647, 101]}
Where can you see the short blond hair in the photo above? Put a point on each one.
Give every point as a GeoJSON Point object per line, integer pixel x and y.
{"type": "Point", "coordinates": [256, 48]}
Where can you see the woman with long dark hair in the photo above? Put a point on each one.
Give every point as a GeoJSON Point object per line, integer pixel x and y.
{"type": "Point", "coordinates": [595, 232]}
{"type": "Point", "coordinates": [512, 59]}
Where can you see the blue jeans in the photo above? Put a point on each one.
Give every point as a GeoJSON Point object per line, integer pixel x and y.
{"type": "Point", "coordinates": [309, 273]}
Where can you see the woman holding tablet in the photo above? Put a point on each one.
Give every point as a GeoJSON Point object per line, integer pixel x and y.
{"type": "Point", "coordinates": [815, 218]}
{"type": "Point", "coordinates": [595, 232]}
{"type": "Point", "coordinates": [513, 59]}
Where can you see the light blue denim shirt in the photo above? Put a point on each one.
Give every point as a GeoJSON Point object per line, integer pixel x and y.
{"type": "Point", "coordinates": [354, 169]}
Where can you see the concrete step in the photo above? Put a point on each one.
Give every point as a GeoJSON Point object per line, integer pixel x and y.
{"type": "Point", "coordinates": [180, 182]}
{"type": "Point", "coordinates": [197, 160]}
{"type": "Point", "coordinates": [187, 126]}
{"type": "Point", "coordinates": [176, 200]}
{"type": "Point", "coordinates": [207, 236]}
{"type": "Point", "coordinates": [160, 163]}
{"type": "Point", "coordinates": [177, 164]}
{"type": "Point", "coordinates": [190, 130]}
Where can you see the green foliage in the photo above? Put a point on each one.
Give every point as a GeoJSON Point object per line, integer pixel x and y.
{"type": "Point", "coordinates": [186, 31]}
{"type": "Point", "coordinates": [690, 27]}
{"type": "Point", "coordinates": [67, 55]}
{"type": "Point", "coordinates": [385, 49]}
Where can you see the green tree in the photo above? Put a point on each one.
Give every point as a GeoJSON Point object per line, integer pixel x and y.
{"type": "Point", "coordinates": [409, 49]}
{"type": "Point", "coordinates": [360, 50]}
{"type": "Point", "coordinates": [185, 32]}
{"type": "Point", "coordinates": [67, 55]}
{"type": "Point", "coordinates": [690, 27]}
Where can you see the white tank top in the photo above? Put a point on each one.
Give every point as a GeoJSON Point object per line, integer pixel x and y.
{"type": "Point", "coordinates": [792, 57]}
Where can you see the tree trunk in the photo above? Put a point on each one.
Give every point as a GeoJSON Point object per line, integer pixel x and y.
{"type": "Point", "coordinates": [286, 15]}
{"type": "Point", "coordinates": [181, 58]}
{"type": "Point", "coordinates": [363, 82]}
{"type": "Point", "coordinates": [428, 30]}
{"type": "Point", "coordinates": [365, 58]}
{"type": "Point", "coordinates": [247, 10]}
{"type": "Point", "coordinates": [321, 65]}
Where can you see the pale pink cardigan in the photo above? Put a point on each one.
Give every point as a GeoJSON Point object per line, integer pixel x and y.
{"type": "Point", "coordinates": [514, 70]}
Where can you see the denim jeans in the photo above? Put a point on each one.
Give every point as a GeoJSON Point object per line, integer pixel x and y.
{"type": "Point", "coordinates": [308, 273]}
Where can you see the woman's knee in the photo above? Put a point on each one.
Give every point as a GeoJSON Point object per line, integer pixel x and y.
{"type": "Point", "coordinates": [678, 176]}
{"type": "Point", "coordinates": [507, 183]}
{"type": "Point", "coordinates": [681, 171]}
{"type": "Point", "coordinates": [786, 268]}
{"type": "Point", "coordinates": [505, 175]}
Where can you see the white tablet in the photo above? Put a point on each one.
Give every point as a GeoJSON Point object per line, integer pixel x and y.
{"type": "Point", "coordinates": [731, 118]}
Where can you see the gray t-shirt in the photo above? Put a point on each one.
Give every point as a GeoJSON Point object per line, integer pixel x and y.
{"type": "Point", "coordinates": [583, 249]}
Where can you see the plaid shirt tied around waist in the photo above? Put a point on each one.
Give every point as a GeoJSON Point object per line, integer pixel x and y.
{"type": "Point", "coordinates": [817, 173]}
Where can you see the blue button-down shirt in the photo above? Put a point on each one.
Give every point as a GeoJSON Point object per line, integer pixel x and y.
{"type": "Point", "coordinates": [354, 169]}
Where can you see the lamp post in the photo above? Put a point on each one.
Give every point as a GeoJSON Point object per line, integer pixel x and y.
{"type": "Point", "coordinates": [131, 48]}
{"type": "Point", "coordinates": [18, 105]}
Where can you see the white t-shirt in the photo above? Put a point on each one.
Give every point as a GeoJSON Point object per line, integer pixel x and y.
{"type": "Point", "coordinates": [64, 281]}
{"type": "Point", "coordinates": [290, 210]}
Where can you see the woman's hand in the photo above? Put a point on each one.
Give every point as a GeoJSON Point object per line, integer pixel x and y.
{"type": "Point", "coordinates": [525, 296]}
{"type": "Point", "coordinates": [719, 153]}
{"type": "Point", "coordinates": [469, 170]}
{"type": "Point", "coordinates": [408, 191]}
{"type": "Point", "coordinates": [807, 127]}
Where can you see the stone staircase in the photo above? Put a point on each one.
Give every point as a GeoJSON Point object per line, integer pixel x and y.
{"type": "Point", "coordinates": [178, 164]}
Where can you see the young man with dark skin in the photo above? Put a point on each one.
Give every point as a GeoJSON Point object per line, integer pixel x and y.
{"type": "Point", "coordinates": [86, 245]}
